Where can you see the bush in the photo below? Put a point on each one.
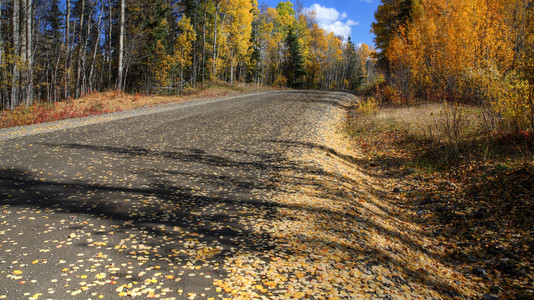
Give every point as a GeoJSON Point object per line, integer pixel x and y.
{"type": "Point", "coordinates": [514, 106]}
{"type": "Point", "coordinates": [449, 129]}
{"type": "Point", "coordinates": [368, 106]}
{"type": "Point", "coordinates": [280, 81]}
{"type": "Point", "coordinates": [386, 93]}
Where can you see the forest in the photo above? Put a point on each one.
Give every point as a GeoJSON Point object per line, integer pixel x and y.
{"type": "Point", "coordinates": [477, 52]}
{"type": "Point", "coordinates": [63, 49]}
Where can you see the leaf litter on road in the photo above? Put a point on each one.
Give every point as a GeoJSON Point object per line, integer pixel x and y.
{"type": "Point", "coordinates": [294, 219]}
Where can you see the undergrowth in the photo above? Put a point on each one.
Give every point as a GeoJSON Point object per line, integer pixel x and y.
{"type": "Point", "coordinates": [436, 136]}
{"type": "Point", "coordinates": [470, 187]}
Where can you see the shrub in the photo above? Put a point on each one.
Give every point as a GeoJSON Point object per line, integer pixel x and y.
{"type": "Point", "coordinates": [514, 106]}
{"type": "Point", "coordinates": [449, 129]}
{"type": "Point", "coordinates": [280, 81]}
{"type": "Point", "coordinates": [388, 94]}
{"type": "Point", "coordinates": [368, 106]}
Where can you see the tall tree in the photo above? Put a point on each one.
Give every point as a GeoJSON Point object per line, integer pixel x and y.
{"type": "Point", "coordinates": [120, 84]}
{"type": "Point", "coordinates": [1, 33]}
{"type": "Point", "coordinates": [294, 65]}
{"type": "Point", "coordinates": [81, 10]}
{"type": "Point", "coordinates": [215, 29]}
{"type": "Point", "coordinates": [29, 51]}
{"type": "Point", "coordinates": [68, 57]}
{"type": "Point", "coordinates": [238, 27]}
{"type": "Point", "coordinates": [53, 48]}
{"type": "Point", "coordinates": [184, 46]}
{"type": "Point", "coordinates": [390, 17]}
{"type": "Point", "coordinates": [16, 52]}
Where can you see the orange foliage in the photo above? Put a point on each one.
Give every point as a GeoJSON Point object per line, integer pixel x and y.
{"type": "Point", "coordinates": [452, 50]}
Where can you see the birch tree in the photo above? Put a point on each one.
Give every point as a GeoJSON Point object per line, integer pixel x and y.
{"type": "Point", "coordinates": [238, 29]}
{"type": "Point", "coordinates": [16, 52]}
{"type": "Point", "coordinates": [121, 46]}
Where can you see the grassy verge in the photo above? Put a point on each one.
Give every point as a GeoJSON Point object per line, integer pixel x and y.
{"type": "Point", "coordinates": [472, 189]}
{"type": "Point", "coordinates": [113, 101]}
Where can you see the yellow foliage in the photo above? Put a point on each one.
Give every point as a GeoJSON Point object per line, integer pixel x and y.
{"type": "Point", "coordinates": [304, 37]}
{"type": "Point", "coordinates": [238, 27]}
{"type": "Point", "coordinates": [184, 45]}
{"type": "Point", "coordinates": [368, 106]}
{"type": "Point", "coordinates": [514, 105]}
{"type": "Point", "coordinates": [452, 49]}
{"type": "Point", "coordinates": [469, 50]}
{"type": "Point", "coordinates": [160, 63]}
{"type": "Point", "coordinates": [280, 81]}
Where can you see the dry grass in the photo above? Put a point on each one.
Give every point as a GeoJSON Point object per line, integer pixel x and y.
{"type": "Point", "coordinates": [437, 135]}
{"type": "Point", "coordinates": [427, 121]}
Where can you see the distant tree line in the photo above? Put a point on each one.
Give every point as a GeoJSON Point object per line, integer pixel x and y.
{"type": "Point", "coordinates": [59, 49]}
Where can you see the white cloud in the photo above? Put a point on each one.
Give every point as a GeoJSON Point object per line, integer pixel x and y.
{"type": "Point", "coordinates": [330, 19]}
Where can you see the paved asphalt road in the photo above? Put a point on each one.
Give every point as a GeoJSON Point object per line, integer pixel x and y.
{"type": "Point", "coordinates": [146, 206]}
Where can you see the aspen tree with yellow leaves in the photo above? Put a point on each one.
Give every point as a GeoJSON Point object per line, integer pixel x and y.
{"type": "Point", "coordinates": [461, 51]}
{"type": "Point", "coordinates": [183, 47]}
{"type": "Point", "coordinates": [238, 28]}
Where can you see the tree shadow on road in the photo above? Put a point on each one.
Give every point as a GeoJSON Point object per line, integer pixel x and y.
{"type": "Point", "coordinates": [207, 213]}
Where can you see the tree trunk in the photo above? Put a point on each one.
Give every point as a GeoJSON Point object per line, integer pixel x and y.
{"type": "Point", "coordinates": [194, 65]}
{"type": "Point", "coordinates": [1, 37]}
{"type": "Point", "coordinates": [80, 53]}
{"type": "Point", "coordinates": [56, 70]}
{"type": "Point", "coordinates": [121, 46]}
{"type": "Point", "coordinates": [16, 48]}
{"type": "Point", "coordinates": [67, 51]}
{"type": "Point", "coordinates": [29, 51]}
{"type": "Point", "coordinates": [204, 43]}
{"type": "Point", "coordinates": [95, 51]}
{"type": "Point", "coordinates": [110, 59]}
{"type": "Point", "coordinates": [214, 67]}
{"type": "Point", "coordinates": [232, 70]}
{"type": "Point", "coordinates": [84, 79]}
{"type": "Point", "coordinates": [182, 70]}
{"type": "Point", "coordinates": [22, 32]}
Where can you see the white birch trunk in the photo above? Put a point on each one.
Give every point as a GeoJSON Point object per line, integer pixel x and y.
{"type": "Point", "coordinates": [67, 51]}
{"type": "Point", "coordinates": [95, 51]}
{"type": "Point", "coordinates": [110, 60]}
{"type": "Point", "coordinates": [121, 47]}
{"type": "Point", "coordinates": [214, 68]}
{"type": "Point", "coordinates": [29, 51]}
{"type": "Point", "coordinates": [16, 48]}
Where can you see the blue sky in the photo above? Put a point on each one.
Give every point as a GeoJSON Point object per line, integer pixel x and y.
{"type": "Point", "coordinates": [343, 17]}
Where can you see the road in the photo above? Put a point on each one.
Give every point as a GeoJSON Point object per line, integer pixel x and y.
{"type": "Point", "coordinates": [148, 206]}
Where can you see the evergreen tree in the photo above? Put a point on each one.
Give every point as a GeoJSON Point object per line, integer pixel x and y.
{"type": "Point", "coordinates": [294, 69]}
{"type": "Point", "coordinates": [254, 65]}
